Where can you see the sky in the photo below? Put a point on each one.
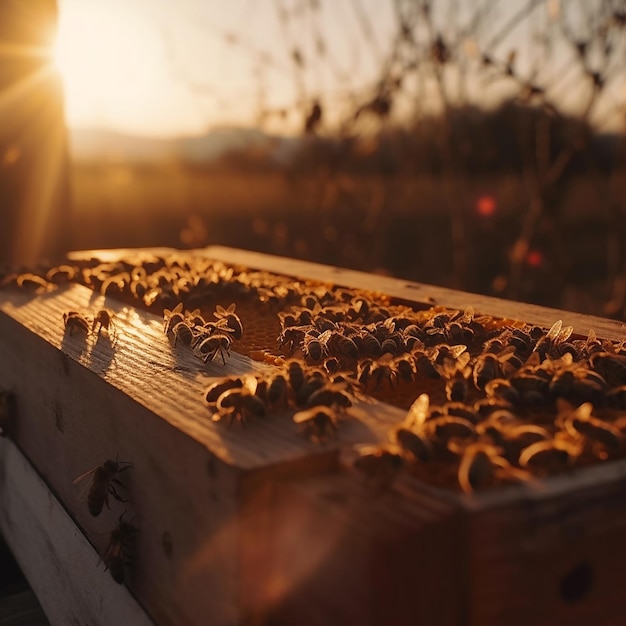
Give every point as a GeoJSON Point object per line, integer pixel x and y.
{"type": "Point", "coordinates": [163, 68]}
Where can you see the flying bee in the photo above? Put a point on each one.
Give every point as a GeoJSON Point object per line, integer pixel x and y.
{"type": "Point", "coordinates": [318, 423]}
{"type": "Point", "coordinates": [118, 554]}
{"type": "Point", "coordinates": [74, 320]}
{"type": "Point", "coordinates": [8, 411]}
{"type": "Point", "coordinates": [172, 317]}
{"type": "Point", "coordinates": [103, 320]}
{"type": "Point", "coordinates": [207, 348]}
{"type": "Point", "coordinates": [240, 404]}
{"type": "Point", "coordinates": [232, 319]}
{"type": "Point", "coordinates": [104, 479]}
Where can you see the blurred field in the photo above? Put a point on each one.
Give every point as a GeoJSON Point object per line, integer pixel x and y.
{"type": "Point", "coordinates": [400, 225]}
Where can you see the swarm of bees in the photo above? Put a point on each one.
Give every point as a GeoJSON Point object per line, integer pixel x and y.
{"type": "Point", "coordinates": [494, 401]}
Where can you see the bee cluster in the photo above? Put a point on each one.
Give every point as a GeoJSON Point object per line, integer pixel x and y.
{"type": "Point", "coordinates": [104, 482]}
{"type": "Point", "coordinates": [206, 339]}
{"type": "Point", "coordinates": [317, 398]}
{"type": "Point", "coordinates": [488, 401]}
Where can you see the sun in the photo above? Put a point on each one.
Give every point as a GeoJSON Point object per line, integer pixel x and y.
{"type": "Point", "coordinates": [111, 62]}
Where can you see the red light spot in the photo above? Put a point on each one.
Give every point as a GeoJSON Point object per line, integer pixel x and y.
{"type": "Point", "coordinates": [534, 258]}
{"type": "Point", "coordinates": [486, 206]}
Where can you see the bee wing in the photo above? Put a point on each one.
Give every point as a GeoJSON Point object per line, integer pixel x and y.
{"type": "Point", "coordinates": [564, 334]}
{"type": "Point", "coordinates": [418, 411]}
{"type": "Point", "coordinates": [553, 333]}
{"type": "Point", "coordinates": [84, 475]}
{"type": "Point", "coordinates": [220, 311]}
{"type": "Point", "coordinates": [83, 493]}
{"type": "Point", "coordinates": [231, 308]}
{"type": "Point", "coordinates": [591, 337]}
{"type": "Point", "coordinates": [250, 383]}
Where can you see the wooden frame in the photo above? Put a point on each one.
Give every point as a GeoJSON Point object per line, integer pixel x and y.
{"type": "Point", "coordinates": [257, 525]}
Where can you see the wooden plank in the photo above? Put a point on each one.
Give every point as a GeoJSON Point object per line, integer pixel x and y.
{"type": "Point", "coordinates": [427, 295]}
{"type": "Point", "coordinates": [60, 564]}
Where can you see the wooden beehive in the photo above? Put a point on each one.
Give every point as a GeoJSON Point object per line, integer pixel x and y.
{"type": "Point", "coordinates": [256, 524]}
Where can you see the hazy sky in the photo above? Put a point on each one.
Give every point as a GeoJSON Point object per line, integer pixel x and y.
{"type": "Point", "coordinates": [159, 67]}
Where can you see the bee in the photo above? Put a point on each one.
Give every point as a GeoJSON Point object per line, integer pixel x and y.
{"type": "Point", "coordinates": [477, 466]}
{"type": "Point", "coordinates": [239, 404]}
{"type": "Point", "coordinates": [404, 366]}
{"type": "Point", "coordinates": [172, 317]}
{"type": "Point", "coordinates": [295, 374]}
{"type": "Point", "coordinates": [117, 555]}
{"type": "Point", "coordinates": [183, 332]}
{"type": "Point", "coordinates": [379, 465]}
{"type": "Point", "coordinates": [207, 348]}
{"type": "Point", "coordinates": [104, 479]}
{"type": "Point", "coordinates": [378, 371]}
{"type": "Point", "coordinates": [413, 444]}
{"type": "Point", "coordinates": [546, 457]}
{"type": "Point", "coordinates": [292, 337]}
{"type": "Point", "coordinates": [216, 389]}
{"type": "Point", "coordinates": [612, 367]}
{"type": "Point", "coordinates": [447, 427]}
{"type": "Point", "coordinates": [332, 395]}
{"type": "Point", "coordinates": [457, 387]}
{"type": "Point", "coordinates": [580, 422]}
{"type": "Point", "coordinates": [8, 411]}
{"type": "Point", "coordinates": [62, 274]}
{"type": "Point", "coordinates": [486, 367]}
{"type": "Point", "coordinates": [103, 320]}
{"type": "Point", "coordinates": [313, 348]}
{"type": "Point", "coordinates": [276, 389]}
{"type": "Point", "coordinates": [503, 389]}
{"type": "Point", "coordinates": [35, 282]}
{"type": "Point", "coordinates": [232, 319]}
{"type": "Point", "coordinates": [318, 423]}
{"type": "Point", "coordinates": [74, 320]}
{"type": "Point", "coordinates": [424, 365]}
{"type": "Point", "coordinates": [558, 334]}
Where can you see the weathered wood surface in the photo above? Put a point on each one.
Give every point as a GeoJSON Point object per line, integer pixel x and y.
{"type": "Point", "coordinates": [57, 559]}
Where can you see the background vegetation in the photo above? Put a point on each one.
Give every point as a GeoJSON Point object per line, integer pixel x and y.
{"type": "Point", "coordinates": [478, 159]}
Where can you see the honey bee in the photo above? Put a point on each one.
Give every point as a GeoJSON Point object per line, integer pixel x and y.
{"type": "Point", "coordinates": [232, 320]}
{"type": "Point", "coordinates": [276, 390]}
{"type": "Point", "coordinates": [103, 320]}
{"type": "Point", "coordinates": [172, 317]}
{"type": "Point", "coordinates": [216, 389]}
{"type": "Point", "coordinates": [118, 553]}
{"type": "Point", "coordinates": [295, 374]}
{"type": "Point", "coordinates": [207, 348]}
{"type": "Point", "coordinates": [379, 465]}
{"type": "Point", "coordinates": [457, 387]}
{"type": "Point", "coordinates": [318, 423]}
{"type": "Point", "coordinates": [183, 332]}
{"type": "Point", "coordinates": [8, 410]}
{"type": "Point", "coordinates": [32, 281]}
{"type": "Point", "coordinates": [74, 320]}
{"type": "Point", "coordinates": [486, 367]}
{"type": "Point", "coordinates": [547, 457]}
{"type": "Point", "coordinates": [62, 274]}
{"type": "Point", "coordinates": [413, 444]}
{"type": "Point", "coordinates": [377, 372]}
{"type": "Point", "coordinates": [104, 479]}
{"type": "Point", "coordinates": [581, 422]}
{"type": "Point", "coordinates": [240, 404]}
{"type": "Point", "coordinates": [331, 395]}
{"type": "Point", "coordinates": [612, 367]}
{"type": "Point", "coordinates": [313, 348]}
{"type": "Point", "coordinates": [292, 337]}
{"type": "Point", "coordinates": [477, 466]}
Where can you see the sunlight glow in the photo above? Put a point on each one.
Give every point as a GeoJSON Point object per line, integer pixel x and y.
{"type": "Point", "coordinates": [111, 61]}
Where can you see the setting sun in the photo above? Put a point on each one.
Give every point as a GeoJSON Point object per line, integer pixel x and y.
{"type": "Point", "coordinates": [111, 61]}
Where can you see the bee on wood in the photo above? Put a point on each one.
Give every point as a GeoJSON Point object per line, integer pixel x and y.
{"type": "Point", "coordinates": [547, 457]}
{"type": "Point", "coordinates": [207, 348]}
{"type": "Point", "coordinates": [184, 333]}
{"type": "Point", "coordinates": [172, 317]}
{"type": "Point", "coordinates": [8, 411]}
{"type": "Point", "coordinates": [118, 553]}
{"type": "Point", "coordinates": [216, 389]}
{"type": "Point", "coordinates": [413, 444]}
{"type": "Point", "coordinates": [103, 320]}
{"type": "Point", "coordinates": [318, 423]}
{"type": "Point", "coordinates": [32, 281]}
{"type": "Point", "coordinates": [232, 320]}
{"type": "Point", "coordinates": [104, 479]}
{"type": "Point", "coordinates": [239, 404]}
{"type": "Point", "coordinates": [332, 395]}
{"type": "Point", "coordinates": [378, 465]}
{"type": "Point", "coordinates": [75, 321]}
